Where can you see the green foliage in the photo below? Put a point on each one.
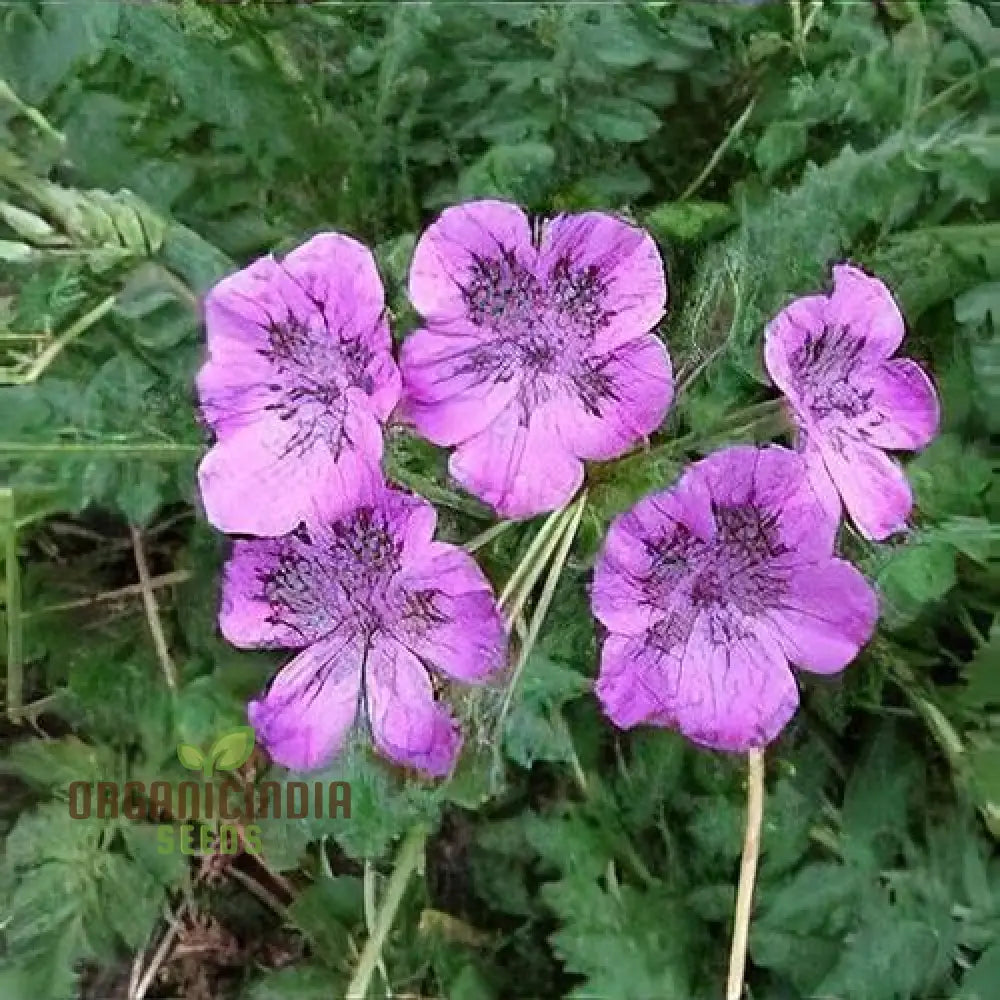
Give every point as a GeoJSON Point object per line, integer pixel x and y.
{"type": "Point", "coordinates": [148, 149]}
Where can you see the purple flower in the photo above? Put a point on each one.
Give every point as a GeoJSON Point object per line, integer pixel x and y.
{"type": "Point", "coordinates": [535, 354]}
{"type": "Point", "coordinates": [712, 588]}
{"type": "Point", "coordinates": [298, 377]}
{"type": "Point", "coordinates": [372, 601]}
{"type": "Point", "coordinates": [831, 355]}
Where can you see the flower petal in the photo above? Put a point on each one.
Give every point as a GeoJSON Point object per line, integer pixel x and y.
{"type": "Point", "coordinates": [311, 705]}
{"type": "Point", "coordinates": [828, 614]}
{"type": "Point", "coordinates": [339, 275]}
{"type": "Point", "coordinates": [450, 617]}
{"type": "Point", "coordinates": [621, 596]}
{"type": "Point", "coordinates": [864, 306]}
{"type": "Point", "coordinates": [520, 466]}
{"type": "Point", "coordinates": [784, 338]}
{"type": "Point", "coordinates": [872, 486]}
{"type": "Point", "coordinates": [904, 405]}
{"type": "Point", "coordinates": [727, 695]}
{"type": "Point", "coordinates": [408, 726]}
{"type": "Point", "coordinates": [775, 481]}
{"type": "Point", "coordinates": [263, 480]}
{"type": "Point", "coordinates": [616, 400]}
{"type": "Point", "coordinates": [625, 262]}
{"type": "Point", "coordinates": [246, 616]}
{"type": "Point", "coordinates": [448, 394]}
{"type": "Point", "coordinates": [447, 255]}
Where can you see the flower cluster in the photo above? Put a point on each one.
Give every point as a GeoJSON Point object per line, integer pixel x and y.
{"type": "Point", "coordinates": [298, 380]}
{"type": "Point", "coordinates": [711, 589]}
{"type": "Point", "coordinates": [535, 354]}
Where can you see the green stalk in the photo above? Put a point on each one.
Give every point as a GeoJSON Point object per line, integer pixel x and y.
{"type": "Point", "coordinates": [485, 537]}
{"type": "Point", "coordinates": [149, 449]}
{"type": "Point", "coordinates": [565, 543]}
{"type": "Point", "coordinates": [407, 861]}
{"type": "Point", "coordinates": [15, 641]}
{"type": "Point", "coordinates": [537, 554]}
{"type": "Point", "coordinates": [37, 367]}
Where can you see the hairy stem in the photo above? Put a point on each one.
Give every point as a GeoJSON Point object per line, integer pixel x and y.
{"type": "Point", "coordinates": [407, 862]}
{"type": "Point", "coordinates": [748, 873]}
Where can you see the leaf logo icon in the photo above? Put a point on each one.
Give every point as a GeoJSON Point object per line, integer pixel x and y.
{"type": "Point", "coordinates": [231, 750]}
{"type": "Point", "coordinates": [190, 756]}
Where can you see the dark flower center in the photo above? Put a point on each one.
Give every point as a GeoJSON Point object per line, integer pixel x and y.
{"type": "Point", "coordinates": [825, 365]}
{"type": "Point", "coordinates": [733, 572]}
{"type": "Point", "coordinates": [311, 370]}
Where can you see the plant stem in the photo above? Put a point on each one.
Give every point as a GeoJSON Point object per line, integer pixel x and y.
{"type": "Point", "coordinates": [536, 556]}
{"type": "Point", "coordinates": [120, 449]}
{"type": "Point", "coordinates": [38, 366]}
{"type": "Point", "coordinates": [153, 610]}
{"type": "Point", "coordinates": [407, 861]}
{"type": "Point", "coordinates": [485, 537]}
{"type": "Point", "coordinates": [371, 907]}
{"type": "Point", "coordinates": [748, 872]}
{"type": "Point", "coordinates": [565, 542]}
{"type": "Point", "coordinates": [15, 644]}
{"type": "Point", "coordinates": [731, 136]}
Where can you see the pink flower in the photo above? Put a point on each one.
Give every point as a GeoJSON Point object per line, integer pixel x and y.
{"type": "Point", "coordinates": [372, 601]}
{"type": "Point", "coordinates": [712, 588]}
{"type": "Point", "coordinates": [535, 354]}
{"type": "Point", "coordinates": [298, 378]}
{"type": "Point", "coordinates": [831, 355]}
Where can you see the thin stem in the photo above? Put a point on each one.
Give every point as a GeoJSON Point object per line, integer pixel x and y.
{"type": "Point", "coordinates": [148, 449]}
{"type": "Point", "coordinates": [748, 873]}
{"type": "Point", "coordinates": [37, 367]}
{"type": "Point", "coordinates": [541, 544]}
{"type": "Point", "coordinates": [153, 610]}
{"type": "Point", "coordinates": [370, 911]}
{"type": "Point", "coordinates": [542, 608]}
{"type": "Point", "coordinates": [485, 537]}
{"type": "Point", "coordinates": [731, 136]}
{"type": "Point", "coordinates": [407, 861]}
{"type": "Point", "coordinates": [15, 637]}
{"type": "Point", "coordinates": [161, 953]}
{"type": "Point", "coordinates": [132, 590]}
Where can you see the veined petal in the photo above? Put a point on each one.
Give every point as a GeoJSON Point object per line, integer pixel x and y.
{"type": "Point", "coordinates": [407, 725]}
{"type": "Point", "coordinates": [448, 615]}
{"type": "Point", "coordinates": [785, 337]}
{"type": "Point", "coordinates": [615, 400]}
{"type": "Point", "coordinates": [519, 467]}
{"type": "Point", "coordinates": [733, 694]}
{"type": "Point", "coordinates": [863, 305]}
{"type": "Point", "coordinates": [247, 617]}
{"type": "Point", "coordinates": [267, 477]}
{"type": "Point", "coordinates": [872, 486]}
{"type": "Point", "coordinates": [451, 250]}
{"type": "Point", "coordinates": [625, 266]}
{"type": "Point", "coordinates": [828, 613]}
{"type": "Point", "coordinates": [311, 705]}
{"type": "Point", "coordinates": [904, 410]}
{"type": "Point", "coordinates": [338, 274]}
{"type": "Point", "coordinates": [451, 391]}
